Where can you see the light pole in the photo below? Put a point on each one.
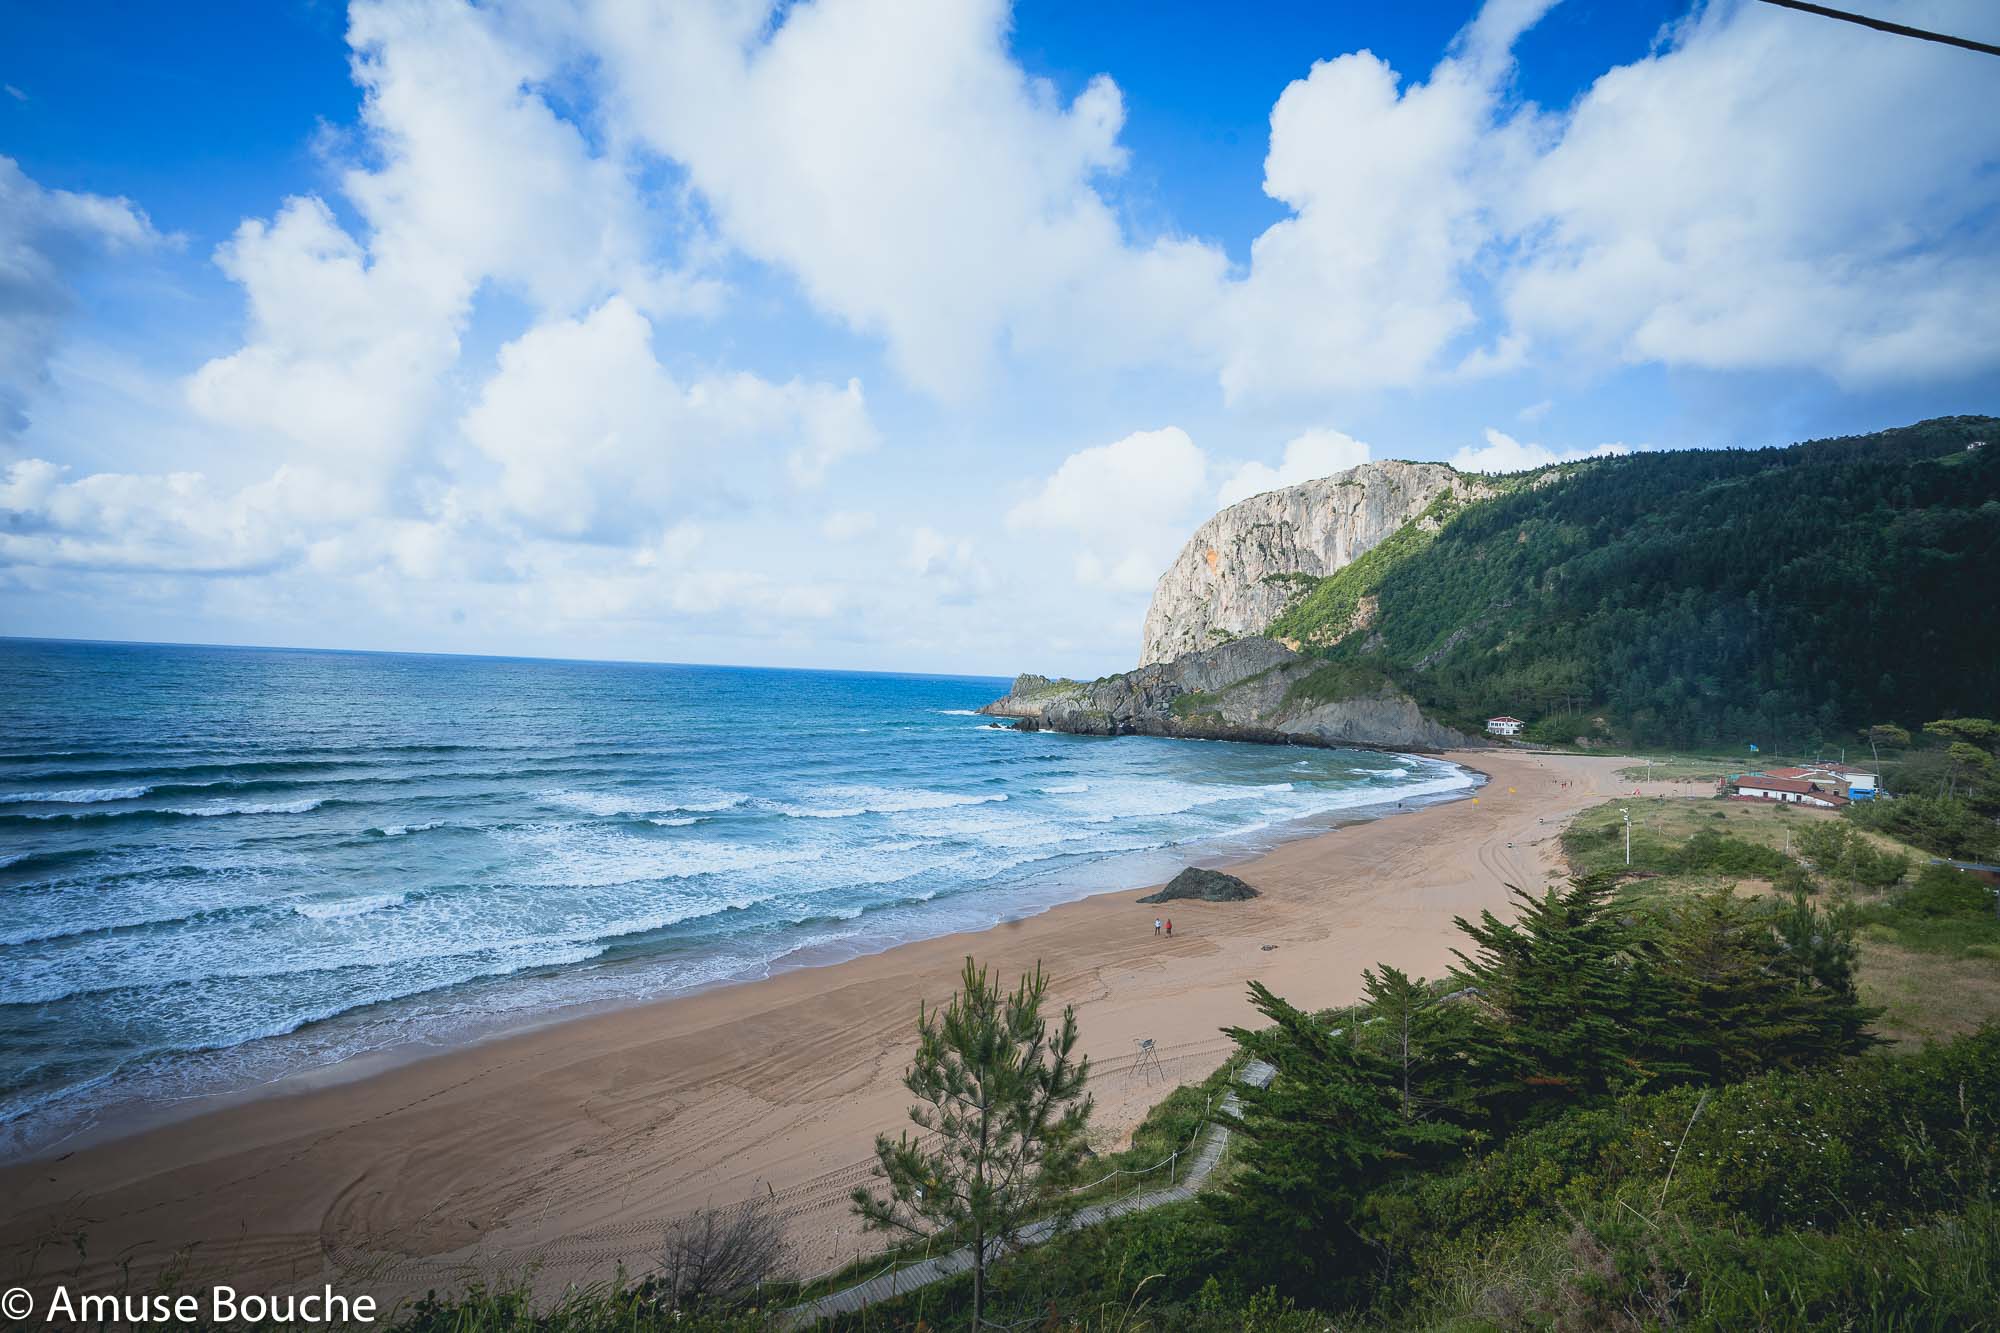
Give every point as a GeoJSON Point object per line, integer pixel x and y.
{"type": "Point", "coordinates": [1628, 833]}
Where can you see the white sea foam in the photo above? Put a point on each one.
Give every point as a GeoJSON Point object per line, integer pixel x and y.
{"type": "Point", "coordinates": [1156, 798]}
{"type": "Point", "coordinates": [1064, 788]}
{"type": "Point", "coordinates": [340, 909]}
{"type": "Point", "coordinates": [580, 856]}
{"type": "Point", "coordinates": [612, 804]}
{"type": "Point", "coordinates": [854, 801]}
{"type": "Point", "coordinates": [298, 807]}
{"type": "Point", "coordinates": [708, 801]}
{"type": "Point", "coordinates": [398, 830]}
{"type": "Point", "coordinates": [603, 803]}
{"type": "Point", "coordinates": [680, 822]}
{"type": "Point", "coordinates": [959, 712]}
{"type": "Point", "coordinates": [75, 796]}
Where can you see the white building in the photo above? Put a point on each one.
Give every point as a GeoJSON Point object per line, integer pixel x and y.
{"type": "Point", "coordinates": [1504, 725]}
{"type": "Point", "coordinates": [1794, 791]}
{"type": "Point", "coordinates": [1859, 782]}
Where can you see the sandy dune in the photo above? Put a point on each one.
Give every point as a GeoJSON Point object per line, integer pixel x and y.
{"type": "Point", "coordinates": [565, 1146]}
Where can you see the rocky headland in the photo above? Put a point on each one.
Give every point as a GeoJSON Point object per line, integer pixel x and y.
{"type": "Point", "coordinates": [1251, 689]}
{"type": "Point", "coordinates": [1208, 666]}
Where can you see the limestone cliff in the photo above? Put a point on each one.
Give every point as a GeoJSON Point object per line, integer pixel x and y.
{"type": "Point", "coordinates": [1242, 568]}
{"type": "Point", "coordinates": [1250, 689]}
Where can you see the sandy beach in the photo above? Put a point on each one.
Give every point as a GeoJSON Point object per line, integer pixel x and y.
{"type": "Point", "coordinates": [566, 1146]}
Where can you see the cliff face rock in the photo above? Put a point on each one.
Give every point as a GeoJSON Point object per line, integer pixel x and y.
{"type": "Point", "coordinates": [1245, 565]}
{"type": "Point", "coordinates": [1250, 689]}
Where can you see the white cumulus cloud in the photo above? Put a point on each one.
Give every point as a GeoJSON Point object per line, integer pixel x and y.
{"type": "Point", "coordinates": [1773, 191]}
{"type": "Point", "coordinates": [1317, 453]}
{"type": "Point", "coordinates": [919, 184]}
{"type": "Point", "coordinates": [1125, 505]}
{"type": "Point", "coordinates": [474, 179]}
{"type": "Point", "coordinates": [1503, 453]}
{"type": "Point", "coordinates": [47, 239]}
{"type": "Point", "coordinates": [595, 441]}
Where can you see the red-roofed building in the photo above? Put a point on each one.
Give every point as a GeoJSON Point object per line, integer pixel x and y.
{"type": "Point", "coordinates": [1504, 725]}
{"type": "Point", "coordinates": [1794, 791]}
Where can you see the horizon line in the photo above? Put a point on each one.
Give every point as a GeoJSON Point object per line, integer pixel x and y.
{"type": "Point", "coordinates": [488, 657]}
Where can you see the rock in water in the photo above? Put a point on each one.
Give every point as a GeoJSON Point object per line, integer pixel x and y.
{"type": "Point", "coordinates": [1208, 886]}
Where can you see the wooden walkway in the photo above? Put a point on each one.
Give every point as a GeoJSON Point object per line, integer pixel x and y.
{"type": "Point", "coordinates": [901, 1281]}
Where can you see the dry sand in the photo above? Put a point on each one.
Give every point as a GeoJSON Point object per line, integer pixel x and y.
{"type": "Point", "coordinates": [567, 1146]}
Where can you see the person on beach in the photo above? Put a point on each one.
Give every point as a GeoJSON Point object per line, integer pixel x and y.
{"type": "Point", "coordinates": [1170, 927]}
{"type": "Point", "coordinates": [1156, 925]}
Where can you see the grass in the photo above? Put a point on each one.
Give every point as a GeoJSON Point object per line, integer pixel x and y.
{"type": "Point", "coordinates": [1925, 996]}
{"type": "Point", "coordinates": [1195, 703]}
{"type": "Point", "coordinates": [1933, 976]}
{"type": "Point", "coordinates": [1594, 841]}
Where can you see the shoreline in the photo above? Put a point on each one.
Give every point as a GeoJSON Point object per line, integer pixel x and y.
{"type": "Point", "coordinates": [131, 1115]}
{"type": "Point", "coordinates": [566, 1143]}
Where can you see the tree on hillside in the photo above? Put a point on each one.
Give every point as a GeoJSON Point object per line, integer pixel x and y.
{"type": "Point", "coordinates": [1420, 1033]}
{"type": "Point", "coordinates": [1941, 824]}
{"type": "Point", "coordinates": [1817, 953]}
{"type": "Point", "coordinates": [1326, 1132]}
{"type": "Point", "coordinates": [1969, 765]}
{"type": "Point", "coordinates": [1001, 1102]}
{"type": "Point", "coordinates": [1578, 1009]}
{"type": "Point", "coordinates": [1885, 733]}
{"type": "Point", "coordinates": [1843, 854]}
{"type": "Point", "coordinates": [1982, 731]}
{"type": "Point", "coordinates": [1750, 993]}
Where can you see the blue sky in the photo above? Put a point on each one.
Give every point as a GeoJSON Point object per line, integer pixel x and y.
{"type": "Point", "coordinates": [855, 333]}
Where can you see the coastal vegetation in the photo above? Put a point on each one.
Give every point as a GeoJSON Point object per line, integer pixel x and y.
{"type": "Point", "coordinates": [1618, 1112]}
{"type": "Point", "coordinates": [1665, 1095]}
{"type": "Point", "coordinates": [1001, 1105]}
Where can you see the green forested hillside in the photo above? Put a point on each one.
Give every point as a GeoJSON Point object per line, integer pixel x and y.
{"type": "Point", "coordinates": [1778, 596]}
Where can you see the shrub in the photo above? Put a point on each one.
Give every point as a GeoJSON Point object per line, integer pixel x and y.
{"type": "Point", "coordinates": [714, 1255]}
{"type": "Point", "coordinates": [1942, 890]}
{"type": "Point", "coordinates": [1711, 851]}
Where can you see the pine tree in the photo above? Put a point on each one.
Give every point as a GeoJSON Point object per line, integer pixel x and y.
{"type": "Point", "coordinates": [1738, 1005]}
{"type": "Point", "coordinates": [1816, 952]}
{"type": "Point", "coordinates": [1422, 1034]}
{"type": "Point", "coordinates": [1575, 1007]}
{"type": "Point", "coordinates": [1004, 1100]}
{"type": "Point", "coordinates": [1325, 1132]}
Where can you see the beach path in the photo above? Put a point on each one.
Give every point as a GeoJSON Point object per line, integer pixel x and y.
{"type": "Point", "coordinates": [902, 1279]}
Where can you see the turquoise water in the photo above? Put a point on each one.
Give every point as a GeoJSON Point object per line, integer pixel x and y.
{"type": "Point", "coordinates": [222, 865]}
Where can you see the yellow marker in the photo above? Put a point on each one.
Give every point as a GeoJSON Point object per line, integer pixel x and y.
{"type": "Point", "coordinates": [1510, 791]}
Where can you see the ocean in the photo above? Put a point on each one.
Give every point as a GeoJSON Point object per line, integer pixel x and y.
{"type": "Point", "coordinates": [221, 866]}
